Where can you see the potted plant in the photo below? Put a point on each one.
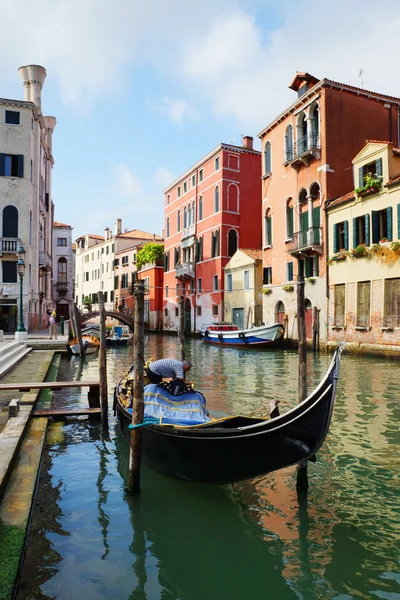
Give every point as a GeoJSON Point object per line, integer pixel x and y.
{"type": "Point", "coordinates": [359, 251]}
{"type": "Point", "coordinates": [311, 280]}
{"type": "Point", "coordinates": [288, 288]}
{"type": "Point", "coordinates": [267, 291]}
{"type": "Point", "coordinates": [372, 183]}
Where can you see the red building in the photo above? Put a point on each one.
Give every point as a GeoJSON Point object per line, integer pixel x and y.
{"type": "Point", "coordinates": [209, 211]}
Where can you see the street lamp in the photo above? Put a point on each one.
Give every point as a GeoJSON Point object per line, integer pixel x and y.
{"type": "Point", "coordinates": [21, 271]}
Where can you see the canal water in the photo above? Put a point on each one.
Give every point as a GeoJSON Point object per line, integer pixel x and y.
{"type": "Point", "coordinates": [254, 540]}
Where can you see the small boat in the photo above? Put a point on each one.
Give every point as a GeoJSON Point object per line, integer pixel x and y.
{"type": "Point", "coordinates": [92, 344]}
{"type": "Point", "coordinates": [230, 335]}
{"type": "Point", "coordinates": [119, 335]}
{"type": "Point", "coordinates": [234, 448]}
{"type": "Point", "coordinates": [91, 329]}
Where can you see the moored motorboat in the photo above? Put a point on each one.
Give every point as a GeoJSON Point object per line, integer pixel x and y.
{"type": "Point", "coordinates": [90, 343]}
{"type": "Point", "coordinates": [119, 335]}
{"type": "Point", "coordinates": [225, 335]}
{"type": "Point", "coordinates": [235, 448]}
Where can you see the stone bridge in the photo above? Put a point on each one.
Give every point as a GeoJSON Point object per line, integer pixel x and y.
{"type": "Point", "coordinates": [120, 316]}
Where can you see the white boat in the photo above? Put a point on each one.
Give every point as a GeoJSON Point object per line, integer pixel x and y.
{"type": "Point", "coordinates": [119, 335]}
{"type": "Point", "coordinates": [92, 344]}
{"type": "Point", "coordinates": [230, 335]}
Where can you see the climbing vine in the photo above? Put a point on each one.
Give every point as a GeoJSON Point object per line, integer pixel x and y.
{"type": "Point", "coordinates": [150, 253]}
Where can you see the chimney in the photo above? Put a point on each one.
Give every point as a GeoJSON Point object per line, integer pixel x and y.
{"type": "Point", "coordinates": [248, 142]}
{"type": "Point", "coordinates": [33, 77]}
{"type": "Point", "coordinates": [50, 123]}
{"type": "Point", "coordinates": [154, 237]}
{"type": "Point", "coordinates": [118, 227]}
{"type": "Point", "coordinates": [106, 232]}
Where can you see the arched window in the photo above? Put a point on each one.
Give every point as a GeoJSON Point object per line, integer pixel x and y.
{"type": "Point", "coordinates": [315, 126]}
{"type": "Point", "coordinates": [216, 199]}
{"type": "Point", "coordinates": [200, 217]}
{"type": "Point", "coordinates": [233, 198]}
{"type": "Point", "coordinates": [302, 134]}
{"type": "Point", "coordinates": [315, 193]}
{"type": "Point", "coordinates": [199, 249]}
{"type": "Point", "coordinates": [268, 228]}
{"type": "Point", "coordinates": [289, 143]}
{"type": "Point", "coordinates": [232, 242]}
{"type": "Point", "coordinates": [267, 158]}
{"type": "Point", "coordinates": [62, 270]}
{"type": "Point", "coordinates": [185, 223]}
{"type": "Point", "coordinates": [215, 245]}
{"type": "Point", "coordinates": [167, 226]}
{"type": "Point", "coordinates": [10, 222]}
{"type": "Point", "coordinates": [289, 218]}
{"type": "Point", "coordinates": [178, 225]}
{"type": "Point", "coordinates": [193, 213]}
{"type": "Point", "coordinates": [279, 312]}
{"type": "Point", "coordinates": [303, 216]}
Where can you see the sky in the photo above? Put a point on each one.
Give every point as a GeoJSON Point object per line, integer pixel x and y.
{"type": "Point", "coordinates": [143, 90]}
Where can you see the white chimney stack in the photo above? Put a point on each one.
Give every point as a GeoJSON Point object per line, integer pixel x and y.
{"type": "Point", "coordinates": [106, 232]}
{"type": "Point", "coordinates": [118, 227]}
{"type": "Point", "coordinates": [50, 123]}
{"type": "Point", "coordinates": [33, 77]}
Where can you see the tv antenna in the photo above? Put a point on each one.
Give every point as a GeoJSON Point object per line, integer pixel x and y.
{"type": "Point", "coordinates": [361, 77]}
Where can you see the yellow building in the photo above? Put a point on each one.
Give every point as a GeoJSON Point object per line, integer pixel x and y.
{"type": "Point", "coordinates": [243, 285]}
{"type": "Point", "coordinates": [364, 254]}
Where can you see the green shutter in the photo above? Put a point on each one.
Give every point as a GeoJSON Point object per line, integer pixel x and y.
{"type": "Point", "coordinates": [336, 238]}
{"type": "Point", "coordinates": [375, 227]}
{"type": "Point", "coordinates": [290, 271]}
{"type": "Point", "coordinates": [360, 177]}
{"type": "Point", "coordinates": [346, 235]}
{"type": "Point", "coordinates": [389, 220]}
{"type": "Point", "coordinates": [316, 266]}
{"type": "Point", "coordinates": [316, 221]}
{"type": "Point", "coordinates": [366, 225]}
{"type": "Point", "coordinates": [304, 221]}
{"type": "Point", "coordinates": [291, 221]}
{"type": "Point", "coordinates": [20, 165]}
{"type": "Point", "coordinates": [398, 221]}
{"type": "Point", "coordinates": [269, 230]}
{"type": "Point", "coordinates": [355, 233]}
{"type": "Point", "coordinates": [378, 167]}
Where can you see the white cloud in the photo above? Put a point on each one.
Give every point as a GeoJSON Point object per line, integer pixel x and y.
{"type": "Point", "coordinates": [178, 110]}
{"type": "Point", "coordinates": [164, 177]}
{"type": "Point", "coordinates": [125, 183]}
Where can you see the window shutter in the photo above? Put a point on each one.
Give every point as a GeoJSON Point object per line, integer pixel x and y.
{"type": "Point", "coordinates": [269, 230]}
{"type": "Point", "coordinates": [355, 233]}
{"type": "Point", "coordinates": [291, 221]}
{"type": "Point", "coordinates": [336, 238]}
{"type": "Point", "coordinates": [389, 220]}
{"type": "Point", "coordinates": [367, 236]}
{"type": "Point", "coordinates": [316, 266]}
{"type": "Point", "coordinates": [360, 177]}
{"type": "Point", "coordinates": [375, 226]}
{"type": "Point", "coordinates": [346, 234]}
{"type": "Point", "coordinates": [20, 165]}
{"type": "Point", "coordinates": [316, 216]}
{"type": "Point", "coordinates": [398, 221]}
{"type": "Point", "coordinates": [378, 166]}
{"type": "Point", "coordinates": [2, 164]}
{"type": "Point", "coordinates": [290, 271]}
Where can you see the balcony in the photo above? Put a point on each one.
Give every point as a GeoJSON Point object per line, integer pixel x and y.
{"type": "Point", "coordinates": [304, 150]}
{"type": "Point", "coordinates": [8, 245]}
{"type": "Point", "coordinates": [185, 270]}
{"type": "Point", "coordinates": [307, 242]}
{"type": "Point", "coordinates": [44, 260]}
{"type": "Point", "coordinates": [61, 287]}
{"type": "Point", "coordinates": [188, 231]}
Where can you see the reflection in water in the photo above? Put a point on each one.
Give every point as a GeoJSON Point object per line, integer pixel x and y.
{"type": "Point", "coordinates": [256, 539]}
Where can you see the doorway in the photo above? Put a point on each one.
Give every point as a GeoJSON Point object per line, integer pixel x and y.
{"type": "Point", "coordinates": [238, 317]}
{"type": "Point", "coordinates": [188, 316]}
{"type": "Point", "coordinates": [8, 317]}
{"type": "Point", "coordinates": [308, 318]}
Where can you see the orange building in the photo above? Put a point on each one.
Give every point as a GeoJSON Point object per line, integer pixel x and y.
{"type": "Point", "coordinates": [306, 152]}
{"type": "Point", "coordinates": [209, 211]}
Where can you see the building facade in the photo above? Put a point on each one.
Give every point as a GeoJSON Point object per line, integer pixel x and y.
{"type": "Point", "coordinates": [307, 151]}
{"type": "Point", "coordinates": [26, 208]}
{"type": "Point", "coordinates": [243, 286]}
{"type": "Point", "coordinates": [209, 211]}
{"type": "Point", "coordinates": [63, 269]}
{"type": "Point", "coordinates": [364, 253]}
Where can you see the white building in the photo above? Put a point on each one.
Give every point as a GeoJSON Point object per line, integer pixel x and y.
{"type": "Point", "coordinates": [63, 269]}
{"type": "Point", "coordinates": [26, 208]}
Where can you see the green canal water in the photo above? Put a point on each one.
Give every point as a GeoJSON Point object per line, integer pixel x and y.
{"type": "Point", "coordinates": [254, 540]}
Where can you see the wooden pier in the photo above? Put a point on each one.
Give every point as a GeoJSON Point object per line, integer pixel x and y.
{"type": "Point", "coordinates": [93, 395]}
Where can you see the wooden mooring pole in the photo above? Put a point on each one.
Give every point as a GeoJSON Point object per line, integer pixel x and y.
{"type": "Point", "coordinates": [103, 363]}
{"type": "Point", "coordinates": [302, 476]}
{"type": "Point", "coordinates": [138, 391]}
{"type": "Point", "coordinates": [78, 331]}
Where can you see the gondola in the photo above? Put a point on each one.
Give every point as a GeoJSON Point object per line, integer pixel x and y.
{"type": "Point", "coordinates": [236, 448]}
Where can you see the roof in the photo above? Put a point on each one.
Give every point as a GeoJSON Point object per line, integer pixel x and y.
{"type": "Point", "coordinates": [58, 224]}
{"type": "Point", "coordinates": [253, 253]}
{"type": "Point", "coordinates": [393, 180]}
{"type": "Point", "coordinates": [341, 200]}
{"type": "Point", "coordinates": [138, 233]}
{"type": "Point", "coordinates": [379, 142]}
{"type": "Point", "coordinates": [300, 77]}
{"type": "Point", "coordinates": [91, 235]}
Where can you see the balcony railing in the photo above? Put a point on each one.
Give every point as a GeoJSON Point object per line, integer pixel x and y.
{"type": "Point", "coordinates": [8, 245]}
{"type": "Point", "coordinates": [308, 240]}
{"type": "Point", "coordinates": [188, 231]}
{"type": "Point", "coordinates": [44, 259]}
{"type": "Point", "coordinates": [305, 147]}
{"type": "Point", "coordinates": [62, 287]}
{"type": "Point", "coordinates": [185, 270]}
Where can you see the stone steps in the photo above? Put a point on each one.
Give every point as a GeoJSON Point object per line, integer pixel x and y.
{"type": "Point", "coordinates": [11, 353]}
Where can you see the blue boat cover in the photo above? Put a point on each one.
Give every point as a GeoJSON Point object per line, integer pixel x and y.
{"type": "Point", "coordinates": [186, 409]}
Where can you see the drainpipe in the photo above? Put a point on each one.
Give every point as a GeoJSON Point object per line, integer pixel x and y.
{"type": "Point", "coordinates": [327, 273]}
{"type": "Point", "coordinates": [194, 256]}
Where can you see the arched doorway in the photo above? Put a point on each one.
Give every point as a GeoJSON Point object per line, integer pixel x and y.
{"type": "Point", "coordinates": [188, 316]}
{"type": "Point", "coordinates": [279, 312]}
{"type": "Point", "coordinates": [62, 309]}
{"type": "Point", "coordinates": [308, 318]}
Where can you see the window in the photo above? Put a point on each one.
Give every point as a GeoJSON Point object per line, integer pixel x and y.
{"type": "Point", "coordinates": [10, 222]}
{"type": "Point", "coordinates": [200, 208]}
{"type": "Point", "coordinates": [62, 270]}
{"type": "Point", "coordinates": [216, 164]}
{"type": "Point", "coordinates": [199, 285]}
{"type": "Point", "coordinates": [87, 276]}
{"type": "Point", "coordinates": [168, 199]}
{"type": "Point", "coordinates": [167, 226]}
{"type": "Point", "coordinates": [9, 271]}
{"type": "Point", "coordinates": [177, 311]}
{"type": "Point", "coordinates": [178, 224]}
{"type": "Point", "coordinates": [232, 242]}
{"type": "Point", "coordinates": [246, 280]}
{"type": "Point", "coordinates": [105, 296]}
{"type": "Point", "coordinates": [177, 256]}
{"type": "Point", "coordinates": [192, 289]}
{"type": "Point", "coordinates": [116, 282]}
{"type": "Point", "coordinates": [185, 219]}
{"type": "Point", "coordinates": [166, 291]}
{"type": "Point", "coordinates": [289, 219]}
{"type": "Point", "coordinates": [199, 311]}
{"type": "Point", "coordinates": [373, 168]}
{"type": "Point", "coordinates": [61, 241]}
{"type": "Point", "coordinates": [179, 191]}
{"type": "Point", "coordinates": [112, 248]}
{"type": "Point", "coordinates": [12, 117]}
{"type": "Point", "coordinates": [363, 303]}
{"type": "Point", "coordinates": [215, 248]}
{"type": "Point", "coordinates": [193, 181]}
{"type": "Point", "coordinates": [125, 260]}
{"type": "Point", "coordinates": [267, 275]}
{"type": "Point", "coordinates": [229, 282]}
{"type": "Point", "coordinates": [107, 249]}
{"type": "Point", "coordinates": [309, 267]}
{"type": "Point", "coordinates": [382, 225]}
{"type": "Point", "coordinates": [267, 158]}
{"type": "Point", "coordinates": [289, 271]}
{"type": "Point", "coordinates": [392, 303]}
{"type": "Point", "coordinates": [341, 236]}
{"type": "Point", "coordinates": [339, 305]}
{"type": "Point", "coordinates": [268, 228]}
{"type": "Point", "coordinates": [199, 249]}
{"type": "Point", "coordinates": [166, 261]}
{"type": "Point", "coordinates": [12, 165]}
{"type": "Point", "coordinates": [215, 310]}
{"type": "Point", "coordinates": [289, 143]}
{"type": "Point", "coordinates": [233, 198]}
{"type": "Point", "coordinates": [215, 283]}
{"type": "Point", "coordinates": [185, 187]}
{"type": "Point", "coordinates": [361, 231]}
{"type": "Point", "coordinates": [112, 296]}
{"type": "Point", "coordinates": [201, 175]}
{"type": "Point", "coordinates": [166, 312]}
{"type": "Point", "coordinates": [216, 199]}
{"type": "Point", "coordinates": [116, 262]}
